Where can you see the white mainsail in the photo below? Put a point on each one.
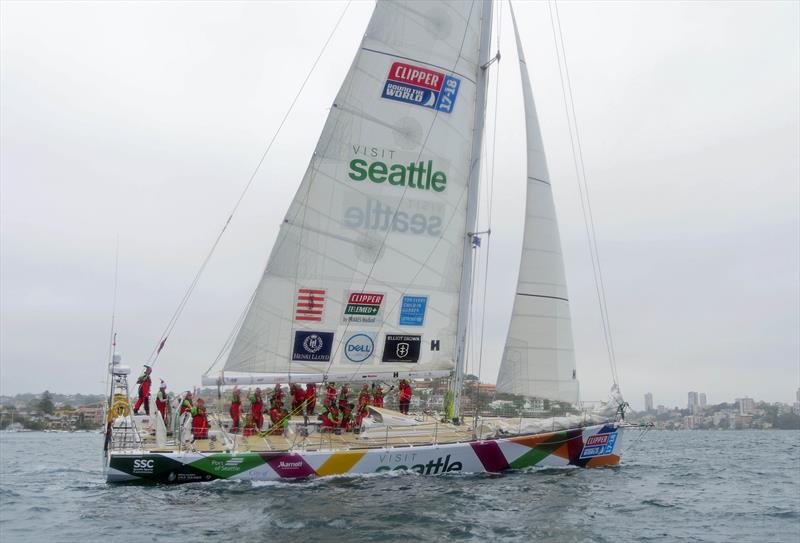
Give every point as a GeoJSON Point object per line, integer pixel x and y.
{"type": "Point", "coordinates": [539, 358]}
{"type": "Point", "coordinates": [365, 274]}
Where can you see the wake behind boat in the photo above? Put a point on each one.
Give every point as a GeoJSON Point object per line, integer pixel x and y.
{"type": "Point", "coordinates": [370, 281]}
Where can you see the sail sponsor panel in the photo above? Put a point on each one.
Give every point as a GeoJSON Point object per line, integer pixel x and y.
{"type": "Point", "coordinates": [421, 86]}
{"type": "Point", "coordinates": [412, 310]}
{"type": "Point", "coordinates": [312, 346]}
{"type": "Point", "coordinates": [310, 304]}
{"type": "Point", "coordinates": [359, 347]}
{"type": "Point", "coordinates": [363, 307]}
{"type": "Point", "coordinates": [401, 348]}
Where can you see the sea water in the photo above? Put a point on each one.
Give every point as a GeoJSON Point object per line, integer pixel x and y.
{"type": "Point", "coordinates": [671, 486]}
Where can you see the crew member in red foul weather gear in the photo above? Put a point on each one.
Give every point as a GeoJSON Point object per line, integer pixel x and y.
{"type": "Point", "coordinates": [363, 401]}
{"type": "Point", "coordinates": [279, 418]}
{"type": "Point", "coordinates": [162, 400]}
{"type": "Point", "coordinates": [405, 396]}
{"type": "Point", "coordinates": [343, 392]}
{"type": "Point", "coordinates": [144, 391]}
{"type": "Point", "coordinates": [377, 399]}
{"type": "Point", "coordinates": [330, 394]}
{"type": "Point", "coordinates": [298, 397]}
{"type": "Point", "coordinates": [330, 418]}
{"type": "Point", "coordinates": [186, 404]}
{"type": "Point", "coordinates": [257, 409]}
{"type": "Point", "coordinates": [347, 417]}
{"type": "Point", "coordinates": [200, 421]}
{"type": "Point", "coordinates": [249, 426]}
{"type": "Point", "coordinates": [277, 396]}
{"type": "Point", "coordinates": [236, 409]}
{"type": "Point", "coordinates": [311, 398]}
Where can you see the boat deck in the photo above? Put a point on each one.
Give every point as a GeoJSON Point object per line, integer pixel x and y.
{"type": "Point", "coordinates": [424, 433]}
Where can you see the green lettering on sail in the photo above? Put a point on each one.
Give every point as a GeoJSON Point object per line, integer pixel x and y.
{"type": "Point", "coordinates": [414, 175]}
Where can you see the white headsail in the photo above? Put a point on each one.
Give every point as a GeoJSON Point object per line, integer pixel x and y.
{"type": "Point", "coordinates": [539, 358]}
{"type": "Point", "coordinates": [365, 274]}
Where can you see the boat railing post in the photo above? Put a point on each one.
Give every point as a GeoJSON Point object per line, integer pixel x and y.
{"type": "Point", "coordinates": [436, 433]}
{"type": "Point", "coordinates": [386, 442]}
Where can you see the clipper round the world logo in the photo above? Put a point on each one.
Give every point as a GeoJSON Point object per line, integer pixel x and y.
{"type": "Point", "coordinates": [421, 86]}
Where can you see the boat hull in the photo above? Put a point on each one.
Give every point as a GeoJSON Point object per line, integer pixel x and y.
{"type": "Point", "coordinates": [591, 446]}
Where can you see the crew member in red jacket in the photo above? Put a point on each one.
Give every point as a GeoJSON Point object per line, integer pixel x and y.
{"type": "Point", "coordinates": [257, 408]}
{"type": "Point", "coordinates": [377, 399]}
{"type": "Point", "coordinates": [236, 409]}
{"type": "Point", "coordinates": [405, 396]}
{"type": "Point", "coordinates": [277, 396]}
{"type": "Point", "coordinates": [162, 400]}
{"type": "Point", "coordinates": [279, 418]}
{"type": "Point", "coordinates": [343, 392]}
{"type": "Point", "coordinates": [330, 394]}
{"type": "Point", "coordinates": [330, 418]}
{"type": "Point", "coordinates": [144, 391]}
{"type": "Point", "coordinates": [298, 397]}
{"type": "Point", "coordinates": [311, 398]}
{"type": "Point", "coordinates": [363, 401]}
{"type": "Point", "coordinates": [200, 421]}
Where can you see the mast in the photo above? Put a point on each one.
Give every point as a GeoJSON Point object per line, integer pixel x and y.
{"type": "Point", "coordinates": [472, 205]}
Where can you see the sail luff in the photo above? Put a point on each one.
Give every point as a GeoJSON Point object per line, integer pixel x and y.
{"type": "Point", "coordinates": [538, 359]}
{"type": "Point", "coordinates": [472, 204]}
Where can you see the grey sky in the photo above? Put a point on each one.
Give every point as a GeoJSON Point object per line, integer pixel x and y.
{"type": "Point", "coordinates": [144, 120]}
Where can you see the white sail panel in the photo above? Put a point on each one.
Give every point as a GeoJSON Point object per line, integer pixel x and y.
{"type": "Point", "coordinates": [365, 273]}
{"type": "Point", "coordinates": [539, 358]}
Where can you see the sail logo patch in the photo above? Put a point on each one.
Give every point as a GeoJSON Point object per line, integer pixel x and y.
{"type": "Point", "coordinates": [401, 348]}
{"type": "Point", "coordinates": [359, 347]}
{"type": "Point", "coordinates": [310, 304]}
{"type": "Point", "coordinates": [362, 307]}
{"type": "Point", "coordinates": [412, 310]}
{"type": "Point", "coordinates": [421, 86]}
{"type": "Point", "coordinates": [312, 346]}
{"type": "Point", "coordinates": [599, 445]}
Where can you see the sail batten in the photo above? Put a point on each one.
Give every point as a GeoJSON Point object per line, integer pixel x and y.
{"type": "Point", "coordinates": [539, 358]}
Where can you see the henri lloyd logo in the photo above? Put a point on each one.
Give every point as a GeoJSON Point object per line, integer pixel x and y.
{"type": "Point", "coordinates": [401, 348]}
{"type": "Point", "coordinates": [312, 346]}
{"type": "Point", "coordinates": [421, 86]}
{"type": "Point", "coordinates": [362, 307]}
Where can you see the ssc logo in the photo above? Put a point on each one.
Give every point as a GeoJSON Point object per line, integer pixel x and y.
{"type": "Point", "coordinates": [313, 343]}
{"type": "Point", "coordinates": [359, 348]}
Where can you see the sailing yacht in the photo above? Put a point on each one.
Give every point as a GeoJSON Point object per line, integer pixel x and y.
{"type": "Point", "coordinates": [369, 281]}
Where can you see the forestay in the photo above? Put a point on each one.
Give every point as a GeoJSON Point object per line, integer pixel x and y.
{"type": "Point", "coordinates": [539, 358]}
{"type": "Point", "coordinates": [365, 273]}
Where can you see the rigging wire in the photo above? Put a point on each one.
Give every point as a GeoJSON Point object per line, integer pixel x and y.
{"type": "Point", "coordinates": [112, 341]}
{"type": "Point", "coordinates": [182, 305]}
{"type": "Point", "coordinates": [490, 204]}
{"type": "Point", "coordinates": [583, 186]}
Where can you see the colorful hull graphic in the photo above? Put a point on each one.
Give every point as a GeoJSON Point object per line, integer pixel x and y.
{"type": "Point", "coordinates": [593, 446]}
